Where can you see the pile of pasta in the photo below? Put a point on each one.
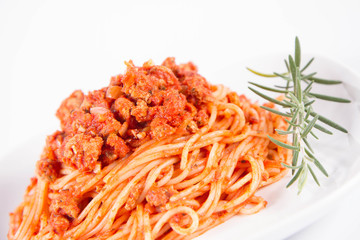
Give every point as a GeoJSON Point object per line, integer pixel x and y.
{"type": "Point", "coordinates": [175, 187]}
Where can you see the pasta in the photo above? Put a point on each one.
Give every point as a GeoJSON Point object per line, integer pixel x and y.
{"type": "Point", "coordinates": [169, 164]}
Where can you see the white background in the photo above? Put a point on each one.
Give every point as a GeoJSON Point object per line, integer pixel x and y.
{"type": "Point", "coordinates": [50, 48]}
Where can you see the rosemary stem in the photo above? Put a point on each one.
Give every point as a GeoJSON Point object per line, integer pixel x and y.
{"type": "Point", "coordinates": [300, 122]}
{"type": "Point", "coordinates": [299, 108]}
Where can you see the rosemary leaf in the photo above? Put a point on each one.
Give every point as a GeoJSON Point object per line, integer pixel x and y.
{"type": "Point", "coordinates": [298, 91]}
{"type": "Point", "coordinates": [268, 88]}
{"type": "Point", "coordinates": [270, 98]}
{"type": "Point", "coordinates": [329, 98]}
{"type": "Point", "coordinates": [302, 178]}
{"type": "Point", "coordinates": [287, 65]}
{"type": "Point", "coordinates": [309, 158]}
{"type": "Point", "coordinates": [320, 167]}
{"type": "Point", "coordinates": [276, 111]}
{"type": "Point", "coordinates": [295, 177]}
{"type": "Point", "coordinates": [325, 81]}
{"type": "Point", "coordinates": [284, 145]}
{"type": "Point", "coordinates": [297, 52]}
{"type": "Point", "coordinates": [286, 87]}
{"type": "Point", "coordinates": [261, 74]}
{"type": "Point", "coordinates": [292, 123]}
{"type": "Point", "coordinates": [329, 122]}
{"type": "Point", "coordinates": [316, 162]}
{"type": "Point", "coordinates": [314, 135]}
{"type": "Point", "coordinates": [293, 70]}
{"type": "Point", "coordinates": [308, 87]}
{"type": "Point", "coordinates": [308, 152]}
{"type": "Point", "coordinates": [313, 175]}
{"type": "Point", "coordinates": [321, 128]}
{"type": "Point", "coordinates": [306, 77]}
{"type": "Point", "coordinates": [281, 132]}
{"type": "Point", "coordinates": [309, 127]}
{"type": "Point", "coordinates": [309, 103]}
{"type": "Point", "coordinates": [291, 167]}
{"type": "Point", "coordinates": [289, 103]}
{"type": "Point", "coordinates": [294, 98]}
{"type": "Point", "coordinates": [283, 76]}
{"type": "Point", "coordinates": [307, 65]}
{"type": "Point", "coordinates": [307, 115]}
{"type": "Point", "coordinates": [294, 159]}
{"type": "Point", "coordinates": [307, 144]}
{"type": "Point", "coordinates": [295, 114]}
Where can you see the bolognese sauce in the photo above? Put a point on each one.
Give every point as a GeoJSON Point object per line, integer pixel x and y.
{"type": "Point", "coordinates": [146, 102]}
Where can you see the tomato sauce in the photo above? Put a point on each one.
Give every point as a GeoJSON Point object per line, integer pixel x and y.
{"type": "Point", "coordinates": [151, 101]}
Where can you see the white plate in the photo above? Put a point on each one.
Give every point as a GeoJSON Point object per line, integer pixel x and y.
{"type": "Point", "coordinates": [286, 212]}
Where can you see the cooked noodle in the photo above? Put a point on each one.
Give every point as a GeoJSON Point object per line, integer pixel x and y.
{"type": "Point", "coordinates": [205, 177]}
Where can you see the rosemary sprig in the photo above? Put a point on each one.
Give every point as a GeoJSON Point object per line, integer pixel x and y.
{"type": "Point", "coordinates": [302, 117]}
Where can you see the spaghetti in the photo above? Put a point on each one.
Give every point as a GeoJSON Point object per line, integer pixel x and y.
{"type": "Point", "coordinates": [158, 154]}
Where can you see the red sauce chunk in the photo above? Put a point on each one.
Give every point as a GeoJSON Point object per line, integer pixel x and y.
{"type": "Point", "coordinates": [157, 197]}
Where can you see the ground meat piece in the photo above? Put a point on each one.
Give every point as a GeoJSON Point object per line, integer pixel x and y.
{"type": "Point", "coordinates": [163, 78]}
{"type": "Point", "coordinates": [118, 144]}
{"type": "Point", "coordinates": [201, 118]}
{"type": "Point", "coordinates": [185, 68]}
{"type": "Point", "coordinates": [170, 63]}
{"type": "Point", "coordinates": [174, 105]}
{"type": "Point", "coordinates": [100, 121]}
{"type": "Point", "coordinates": [159, 196]}
{"type": "Point", "coordinates": [104, 123]}
{"type": "Point", "coordinates": [65, 204]}
{"type": "Point", "coordinates": [116, 80]}
{"type": "Point", "coordinates": [134, 195]}
{"type": "Point", "coordinates": [95, 98]}
{"type": "Point", "coordinates": [157, 98]}
{"type": "Point", "coordinates": [82, 151]}
{"type": "Point", "coordinates": [196, 88]}
{"type": "Point", "coordinates": [99, 111]}
{"type": "Point", "coordinates": [179, 70]}
{"type": "Point", "coordinates": [53, 142]}
{"type": "Point", "coordinates": [135, 83]}
{"type": "Point", "coordinates": [113, 92]}
{"type": "Point", "coordinates": [115, 148]}
{"type": "Point", "coordinates": [48, 169]}
{"type": "Point", "coordinates": [59, 223]}
{"type": "Point", "coordinates": [68, 105]}
{"type": "Point", "coordinates": [172, 109]}
{"type": "Point", "coordinates": [78, 122]}
{"type": "Point", "coordinates": [149, 209]}
{"type": "Point", "coordinates": [160, 129]}
{"type": "Point", "coordinates": [142, 82]}
{"type": "Point", "coordinates": [140, 112]}
{"type": "Point", "coordinates": [122, 108]}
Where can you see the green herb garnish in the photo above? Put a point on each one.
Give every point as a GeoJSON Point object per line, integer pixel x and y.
{"type": "Point", "coordinates": [298, 103]}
